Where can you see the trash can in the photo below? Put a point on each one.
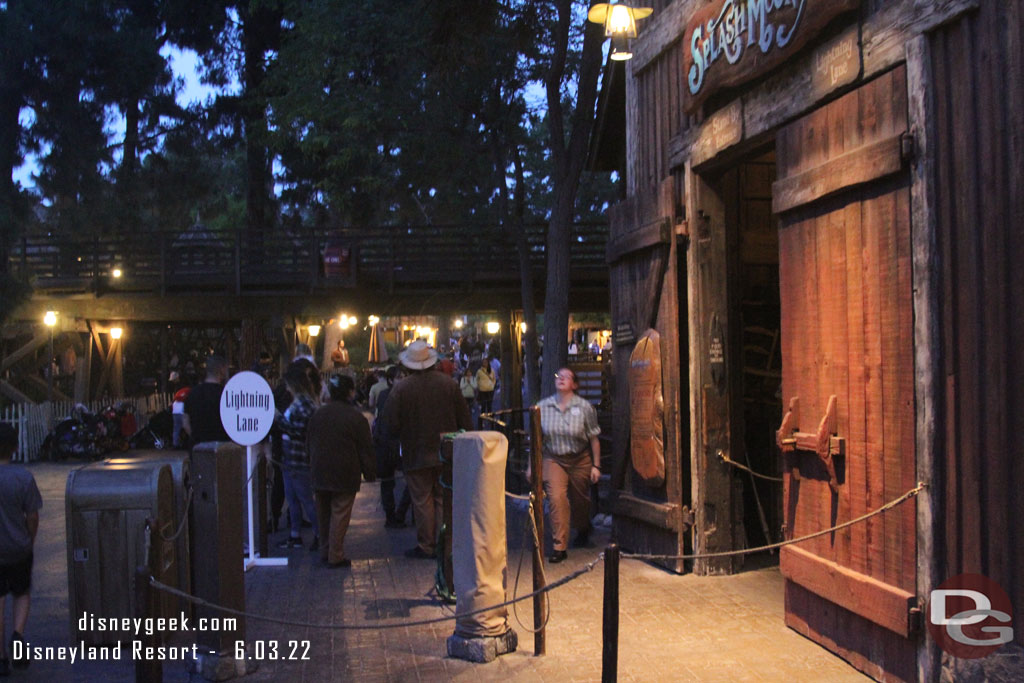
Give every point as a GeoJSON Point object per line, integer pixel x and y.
{"type": "Point", "coordinates": [106, 507]}
{"type": "Point", "coordinates": [179, 463]}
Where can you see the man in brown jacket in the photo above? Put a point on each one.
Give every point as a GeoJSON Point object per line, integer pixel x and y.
{"type": "Point", "coordinates": [421, 408]}
{"type": "Point", "coordinates": [340, 450]}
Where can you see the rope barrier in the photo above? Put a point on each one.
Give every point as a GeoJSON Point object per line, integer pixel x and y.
{"type": "Point", "coordinates": [731, 553]}
{"type": "Point", "coordinates": [367, 627]}
{"type": "Point", "coordinates": [543, 578]}
{"type": "Point", "coordinates": [546, 589]}
{"type": "Point", "coordinates": [184, 519]}
{"type": "Point", "coordinates": [729, 461]}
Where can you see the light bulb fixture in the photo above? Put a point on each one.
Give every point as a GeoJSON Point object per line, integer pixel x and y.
{"type": "Point", "coordinates": [522, 327]}
{"type": "Point", "coordinates": [373, 320]}
{"type": "Point", "coordinates": [116, 272]}
{"type": "Point", "coordinates": [458, 323]}
{"type": "Point", "coordinates": [493, 327]}
{"type": "Point", "coordinates": [343, 322]}
{"type": "Point", "coordinates": [314, 330]}
{"type": "Point", "coordinates": [619, 21]}
{"type": "Point", "coordinates": [50, 318]}
{"type": "Point", "coordinates": [353, 321]}
{"type": "Point", "coordinates": [116, 332]}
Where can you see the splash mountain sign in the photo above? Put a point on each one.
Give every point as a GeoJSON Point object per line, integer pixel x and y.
{"type": "Point", "coordinates": [730, 42]}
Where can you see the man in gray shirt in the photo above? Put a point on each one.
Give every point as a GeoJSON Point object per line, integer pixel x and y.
{"type": "Point", "coordinates": [19, 520]}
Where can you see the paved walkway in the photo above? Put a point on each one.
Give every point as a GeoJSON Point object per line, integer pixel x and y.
{"type": "Point", "coordinates": [672, 628]}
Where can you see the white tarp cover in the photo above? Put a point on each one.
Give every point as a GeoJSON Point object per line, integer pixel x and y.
{"type": "Point", "coordinates": [479, 542]}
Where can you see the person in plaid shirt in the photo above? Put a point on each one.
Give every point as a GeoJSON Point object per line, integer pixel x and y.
{"type": "Point", "coordinates": [293, 424]}
{"type": "Point", "coordinates": [572, 461]}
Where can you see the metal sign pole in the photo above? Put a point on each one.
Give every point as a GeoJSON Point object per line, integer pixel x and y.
{"type": "Point", "coordinates": [254, 560]}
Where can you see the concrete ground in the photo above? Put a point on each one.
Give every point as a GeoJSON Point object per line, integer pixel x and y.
{"type": "Point", "coordinates": [678, 628]}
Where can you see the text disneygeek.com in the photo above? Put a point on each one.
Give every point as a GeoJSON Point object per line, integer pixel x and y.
{"type": "Point", "coordinates": [126, 634]}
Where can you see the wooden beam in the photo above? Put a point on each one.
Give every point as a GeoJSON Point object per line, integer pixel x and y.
{"type": "Point", "coordinates": [928, 378]}
{"type": "Point", "coordinates": [38, 382]}
{"type": "Point", "coordinates": [35, 343]}
{"type": "Point", "coordinates": [885, 605]}
{"type": "Point", "coordinates": [662, 515]}
{"type": "Point", "coordinates": [588, 292]}
{"type": "Point", "coordinates": [83, 373]}
{"type": "Point", "coordinates": [652, 234]}
{"type": "Point", "coordinates": [862, 165]}
{"type": "Point", "coordinates": [8, 390]}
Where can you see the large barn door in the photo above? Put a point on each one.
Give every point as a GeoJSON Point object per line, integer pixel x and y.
{"type": "Point", "coordinates": [847, 439]}
{"type": "Point", "coordinates": [651, 484]}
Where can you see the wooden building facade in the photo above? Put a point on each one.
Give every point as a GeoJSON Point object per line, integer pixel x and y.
{"type": "Point", "coordinates": [823, 221]}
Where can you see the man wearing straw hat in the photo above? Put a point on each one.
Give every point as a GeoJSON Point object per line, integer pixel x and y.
{"type": "Point", "coordinates": [421, 408]}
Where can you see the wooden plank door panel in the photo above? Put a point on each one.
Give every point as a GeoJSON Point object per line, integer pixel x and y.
{"type": "Point", "coordinates": [844, 246]}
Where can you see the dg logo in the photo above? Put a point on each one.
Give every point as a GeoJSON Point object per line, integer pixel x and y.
{"type": "Point", "coordinates": [970, 616]}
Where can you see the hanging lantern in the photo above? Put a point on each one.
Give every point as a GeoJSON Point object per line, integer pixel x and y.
{"type": "Point", "coordinates": [619, 20]}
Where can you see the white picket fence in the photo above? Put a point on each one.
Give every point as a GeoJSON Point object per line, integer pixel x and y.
{"type": "Point", "coordinates": [34, 420]}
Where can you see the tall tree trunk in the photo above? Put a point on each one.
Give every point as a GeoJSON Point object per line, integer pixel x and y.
{"type": "Point", "coordinates": [259, 25]}
{"type": "Point", "coordinates": [569, 159]}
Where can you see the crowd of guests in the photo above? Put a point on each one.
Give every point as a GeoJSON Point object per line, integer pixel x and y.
{"type": "Point", "coordinates": [333, 430]}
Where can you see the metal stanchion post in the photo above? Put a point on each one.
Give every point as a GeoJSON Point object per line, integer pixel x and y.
{"type": "Point", "coordinates": [610, 624]}
{"type": "Point", "coordinates": [539, 639]}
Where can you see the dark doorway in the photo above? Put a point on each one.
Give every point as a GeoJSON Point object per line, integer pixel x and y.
{"type": "Point", "coordinates": [755, 341]}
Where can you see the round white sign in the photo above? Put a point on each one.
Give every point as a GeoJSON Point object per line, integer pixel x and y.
{"type": "Point", "coordinates": [247, 408]}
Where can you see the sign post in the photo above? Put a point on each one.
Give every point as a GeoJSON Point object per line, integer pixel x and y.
{"type": "Point", "coordinates": [247, 413]}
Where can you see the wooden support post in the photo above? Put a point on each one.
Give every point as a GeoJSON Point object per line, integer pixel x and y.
{"type": "Point", "coordinates": [610, 622]}
{"type": "Point", "coordinates": [117, 369]}
{"type": "Point", "coordinates": [536, 468]}
{"type": "Point", "coordinates": [83, 373]}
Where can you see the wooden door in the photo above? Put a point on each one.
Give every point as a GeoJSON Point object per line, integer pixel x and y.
{"type": "Point", "coordinates": [650, 516]}
{"type": "Point", "coordinates": [842, 196]}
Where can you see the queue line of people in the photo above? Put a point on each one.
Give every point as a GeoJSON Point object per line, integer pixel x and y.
{"type": "Point", "coordinates": [411, 406]}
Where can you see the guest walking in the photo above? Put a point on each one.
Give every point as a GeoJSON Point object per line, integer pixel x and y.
{"type": "Point", "coordinates": [572, 461]}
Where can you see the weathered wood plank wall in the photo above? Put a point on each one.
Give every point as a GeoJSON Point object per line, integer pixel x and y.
{"type": "Point", "coordinates": [656, 108]}
{"type": "Point", "coordinates": [978, 65]}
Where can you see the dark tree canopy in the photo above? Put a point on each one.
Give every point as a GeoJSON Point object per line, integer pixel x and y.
{"type": "Point", "coordinates": [329, 112]}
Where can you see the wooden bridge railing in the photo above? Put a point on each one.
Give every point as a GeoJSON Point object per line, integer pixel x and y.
{"type": "Point", "coordinates": [382, 256]}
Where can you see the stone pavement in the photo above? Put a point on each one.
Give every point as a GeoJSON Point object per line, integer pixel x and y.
{"type": "Point", "coordinates": [672, 628]}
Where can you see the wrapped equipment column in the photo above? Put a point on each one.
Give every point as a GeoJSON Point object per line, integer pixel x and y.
{"type": "Point", "coordinates": [479, 542]}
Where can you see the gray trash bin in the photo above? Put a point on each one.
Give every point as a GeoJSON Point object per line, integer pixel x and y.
{"type": "Point", "coordinates": [181, 474]}
{"type": "Point", "coordinates": [106, 507]}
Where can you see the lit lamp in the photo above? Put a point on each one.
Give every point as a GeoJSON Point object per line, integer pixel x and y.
{"type": "Point", "coordinates": [373, 320]}
{"type": "Point", "coordinates": [493, 327]}
{"type": "Point", "coordinates": [619, 21]}
{"type": "Point", "coordinates": [116, 273]}
{"type": "Point", "coordinates": [314, 330]}
{"type": "Point", "coordinates": [116, 332]}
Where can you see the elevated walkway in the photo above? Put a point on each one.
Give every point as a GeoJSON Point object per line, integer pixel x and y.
{"type": "Point", "coordinates": [386, 270]}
